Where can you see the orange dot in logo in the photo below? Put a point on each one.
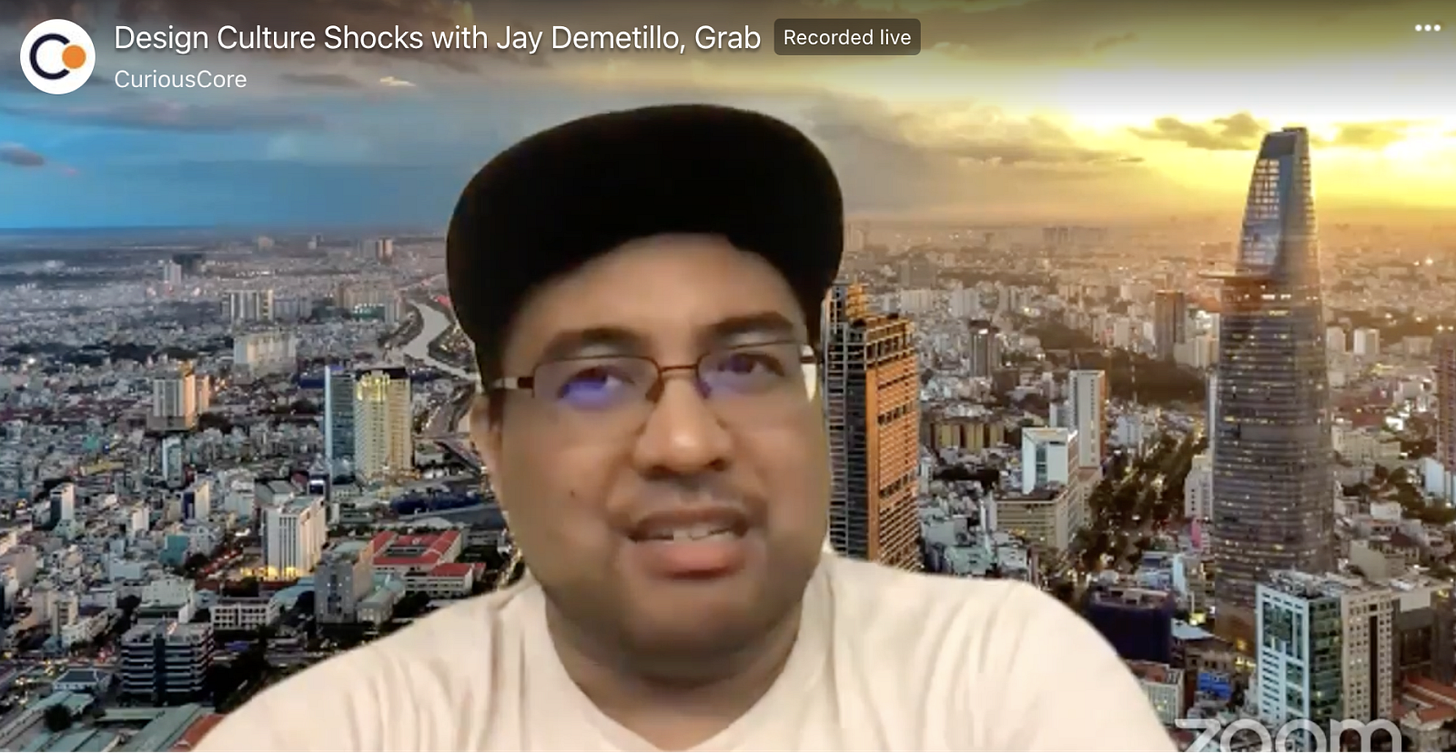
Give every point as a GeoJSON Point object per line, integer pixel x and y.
{"type": "Point", "coordinates": [73, 57]}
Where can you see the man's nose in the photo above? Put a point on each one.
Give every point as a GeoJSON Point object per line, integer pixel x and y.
{"type": "Point", "coordinates": [683, 434]}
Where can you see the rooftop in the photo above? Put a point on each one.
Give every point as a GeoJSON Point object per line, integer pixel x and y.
{"type": "Point", "coordinates": [1129, 597]}
{"type": "Point", "coordinates": [82, 676]}
{"type": "Point", "coordinates": [166, 727]}
{"type": "Point", "coordinates": [198, 730]}
{"type": "Point", "coordinates": [84, 740]}
{"type": "Point", "coordinates": [1311, 586]}
{"type": "Point", "coordinates": [1154, 672]}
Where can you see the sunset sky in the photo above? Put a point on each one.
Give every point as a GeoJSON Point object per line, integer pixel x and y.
{"type": "Point", "coordinates": [1036, 110]}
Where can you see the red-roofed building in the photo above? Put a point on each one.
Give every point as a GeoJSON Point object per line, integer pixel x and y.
{"type": "Point", "coordinates": [194, 734]}
{"type": "Point", "coordinates": [426, 562]}
{"type": "Point", "coordinates": [1426, 713]}
{"type": "Point", "coordinates": [404, 554]}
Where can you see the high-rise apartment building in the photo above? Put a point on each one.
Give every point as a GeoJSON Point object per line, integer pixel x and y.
{"type": "Point", "coordinates": [985, 348]}
{"type": "Point", "coordinates": [1170, 323]}
{"type": "Point", "coordinates": [166, 662]}
{"type": "Point", "coordinates": [173, 457]}
{"type": "Point", "coordinates": [872, 401]}
{"type": "Point", "coordinates": [294, 532]}
{"type": "Point", "coordinates": [174, 400]}
{"type": "Point", "coordinates": [1273, 461]}
{"type": "Point", "coordinates": [1326, 650]}
{"type": "Point", "coordinates": [376, 299]}
{"type": "Point", "coordinates": [1366, 342]}
{"type": "Point", "coordinates": [248, 305]}
{"type": "Point", "coordinates": [1445, 348]}
{"type": "Point", "coordinates": [384, 442]}
{"type": "Point", "coordinates": [1086, 410]}
{"type": "Point", "coordinates": [261, 353]}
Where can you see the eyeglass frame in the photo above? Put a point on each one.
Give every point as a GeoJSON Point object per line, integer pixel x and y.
{"type": "Point", "coordinates": [808, 356]}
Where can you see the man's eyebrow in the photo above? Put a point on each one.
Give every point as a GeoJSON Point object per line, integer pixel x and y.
{"type": "Point", "coordinates": [577, 342]}
{"type": "Point", "coordinates": [770, 323]}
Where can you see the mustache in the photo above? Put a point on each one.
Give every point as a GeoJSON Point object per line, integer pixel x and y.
{"type": "Point", "coordinates": [697, 488]}
{"type": "Point", "coordinates": [669, 494]}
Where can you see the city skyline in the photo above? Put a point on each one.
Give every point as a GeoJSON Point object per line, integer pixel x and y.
{"type": "Point", "coordinates": [1014, 111]}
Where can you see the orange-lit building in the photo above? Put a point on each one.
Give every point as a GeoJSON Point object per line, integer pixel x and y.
{"type": "Point", "coordinates": [872, 401]}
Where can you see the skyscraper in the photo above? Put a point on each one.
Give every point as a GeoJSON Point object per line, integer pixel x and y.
{"type": "Point", "coordinates": [985, 348]}
{"type": "Point", "coordinates": [1446, 412]}
{"type": "Point", "coordinates": [1273, 483]}
{"type": "Point", "coordinates": [1170, 323]}
{"type": "Point", "coordinates": [1087, 414]}
{"type": "Point", "coordinates": [872, 402]}
{"type": "Point", "coordinates": [338, 417]}
{"type": "Point", "coordinates": [174, 400]}
{"type": "Point", "coordinates": [384, 442]}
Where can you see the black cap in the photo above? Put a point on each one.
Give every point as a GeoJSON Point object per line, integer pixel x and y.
{"type": "Point", "coordinates": [566, 195]}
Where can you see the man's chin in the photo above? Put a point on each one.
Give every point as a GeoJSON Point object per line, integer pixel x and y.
{"type": "Point", "coordinates": [696, 627]}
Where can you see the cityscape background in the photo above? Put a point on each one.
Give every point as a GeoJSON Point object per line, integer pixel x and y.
{"type": "Point", "coordinates": [1150, 308]}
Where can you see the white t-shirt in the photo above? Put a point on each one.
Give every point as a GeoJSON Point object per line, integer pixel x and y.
{"type": "Point", "coordinates": [885, 660]}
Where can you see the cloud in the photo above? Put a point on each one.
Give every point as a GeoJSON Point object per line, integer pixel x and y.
{"type": "Point", "coordinates": [170, 116]}
{"type": "Point", "coordinates": [19, 156]}
{"type": "Point", "coordinates": [983, 135]}
{"type": "Point", "coordinates": [1242, 132]}
{"type": "Point", "coordinates": [1237, 132]}
{"type": "Point", "coordinates": [1374, 136]}
{"type": "Point", "coordinates": [947, 161]}
{"type": "Point", "coordinates": [1107, 43]}
{"type": "Point", "coordinates": [328, 80]}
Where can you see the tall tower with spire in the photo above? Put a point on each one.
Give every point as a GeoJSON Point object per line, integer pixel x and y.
{"type": "Point", "coordinates": [1273, 481]}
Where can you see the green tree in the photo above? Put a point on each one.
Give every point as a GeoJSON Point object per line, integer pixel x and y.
{"type": "Point", "coordinates": [194, 564]}
{"type": "Point", "coordinates": [411, 605]}
{"type": "Point", "coordinates": [58, 718]}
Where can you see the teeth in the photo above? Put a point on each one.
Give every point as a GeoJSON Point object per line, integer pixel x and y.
{"type": "Point", "coordinates": [699, 532]}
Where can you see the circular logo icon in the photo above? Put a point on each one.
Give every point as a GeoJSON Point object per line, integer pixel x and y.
{"type": "Point", "coordinates": [57, 56]}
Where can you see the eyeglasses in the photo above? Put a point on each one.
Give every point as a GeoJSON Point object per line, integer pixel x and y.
{"type": "Point", "coordinates": [745, 385]}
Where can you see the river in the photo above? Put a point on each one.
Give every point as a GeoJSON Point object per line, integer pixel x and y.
{"type": "Point", "coordinates": [433, 324]}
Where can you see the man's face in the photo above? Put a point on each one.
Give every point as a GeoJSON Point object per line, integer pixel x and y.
{"type": "Point", "coordinates": [693, 526]}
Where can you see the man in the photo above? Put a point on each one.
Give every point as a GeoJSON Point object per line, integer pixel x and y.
{"type": "Point", "coordinates": [643, 290]}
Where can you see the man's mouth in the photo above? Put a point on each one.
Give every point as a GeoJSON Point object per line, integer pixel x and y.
{"type": "Point", "coordinates": [694, 532]}
{"type": "Point", "coordinates": [692, 542]}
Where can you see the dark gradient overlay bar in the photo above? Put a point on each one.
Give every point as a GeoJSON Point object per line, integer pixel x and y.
{"type": "Point", "coordinates": [847, 36]}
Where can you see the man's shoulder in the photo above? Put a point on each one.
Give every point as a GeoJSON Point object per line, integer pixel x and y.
{"type": "Point", "coordinates": [892, 603]}
{"type": "Point", "coordinates": [428, 663]}
{"type": "Point", "coordinates": [859, 581]}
